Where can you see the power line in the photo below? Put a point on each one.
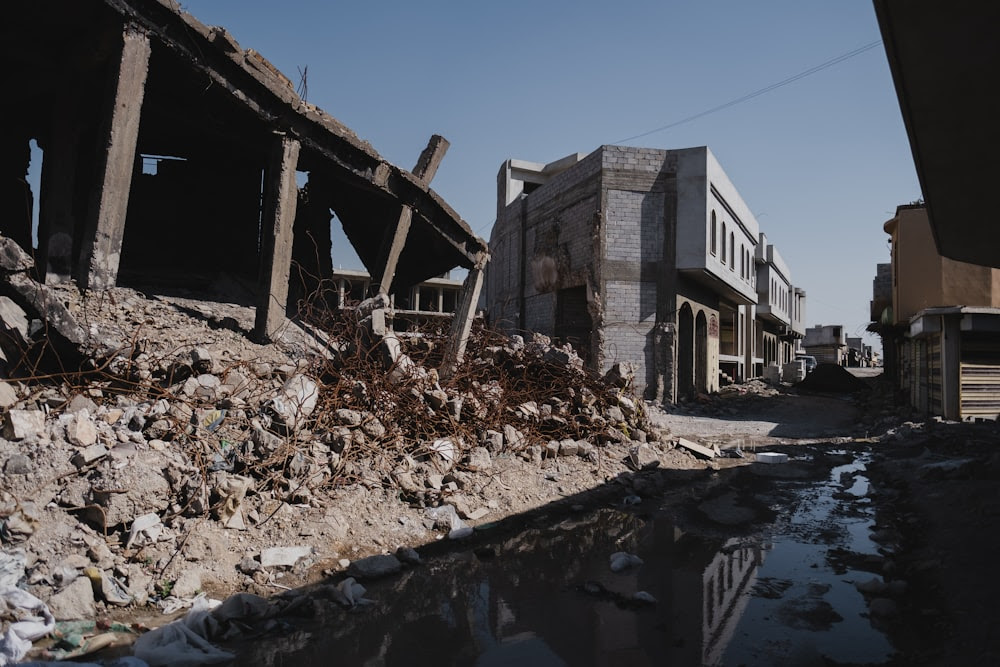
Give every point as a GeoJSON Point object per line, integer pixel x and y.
{"type": "Point", "coordinates": [757, 93]}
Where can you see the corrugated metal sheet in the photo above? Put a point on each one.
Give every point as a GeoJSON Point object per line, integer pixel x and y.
{"type": "Point", "coordinates": [935, 405]}
{"type": "Point", "coordinates": [980, 377]}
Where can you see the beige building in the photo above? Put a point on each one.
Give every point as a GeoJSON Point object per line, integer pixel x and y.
{"type": "Point", "coordinates": [941, 334]}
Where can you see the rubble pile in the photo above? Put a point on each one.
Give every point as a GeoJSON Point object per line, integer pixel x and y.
{"type": "Point", "coordinates": [177, 445]}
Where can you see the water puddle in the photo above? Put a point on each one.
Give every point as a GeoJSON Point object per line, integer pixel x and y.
{"type": "Point", "coordinates": [548, 596]}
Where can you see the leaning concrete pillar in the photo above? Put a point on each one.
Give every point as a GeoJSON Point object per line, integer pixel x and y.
{"type": "Point", "coordinates": [461, 326]}
{"type": "Point", "coordinates": [392, 245]}
{"type": "Point", "coordinates": [280, 198]}
{"type": "Point", "coordinates": [102, 242]}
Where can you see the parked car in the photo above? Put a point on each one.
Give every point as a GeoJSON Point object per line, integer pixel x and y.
{"type": "Point", "coordinates": [810, 362]}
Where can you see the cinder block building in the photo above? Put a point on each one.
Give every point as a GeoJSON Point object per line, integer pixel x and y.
{"type": "Point", "coordinates": [631, 254]}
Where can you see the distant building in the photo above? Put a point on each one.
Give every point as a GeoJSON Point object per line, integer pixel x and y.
{"type": "Point", "coordinates": [642, 255]}
{"type": "Point", "coordinates": [827, 343]}
{"type": "Point", "coordinates": [941, 333]}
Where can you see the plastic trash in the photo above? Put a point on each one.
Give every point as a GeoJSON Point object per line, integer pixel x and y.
{"type": "Point", "coordinates": [34, 622]}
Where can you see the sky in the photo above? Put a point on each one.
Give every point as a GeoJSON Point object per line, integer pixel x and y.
{"type": "Point", "coordinates": [822, 161]}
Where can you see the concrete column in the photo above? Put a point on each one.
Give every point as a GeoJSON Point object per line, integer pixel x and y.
{"type": "Point", "coordinates": [440, 306]}
{"type": "Point", "coordinates": [102, 241]}
{"type": "Point", "coordinates": [461, 326]}
{"type": "Point", "coordinates": [748, 335]}
{"type": "Point", "coordinates": [416, 298]}
{"type": "Point", "coordinates": [951, 367]}
{"type": "Point", "coordinates": [280, 198]}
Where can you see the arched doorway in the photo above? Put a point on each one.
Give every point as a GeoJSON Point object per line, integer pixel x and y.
{"type": "Point", "coordinates": [701, 352]}
{"type": "Point", "coordinates": [685, 351]}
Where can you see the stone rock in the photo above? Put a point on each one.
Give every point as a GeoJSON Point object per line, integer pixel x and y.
{"type": "Point", "coordinates": [871, 587]}
{"type": "Point", "coordinates": [569, 448]}
{"type": "Point", "coordinates": [207, 387]}
{"type": "Point", "coordinates": [18, 464]}
{"type": "Point", "coordinates": [201, 360]}
{"type": "Point", "coordinates": [642, 457]}
{"type": "Point", "coordinates": [514, 439]}
{"type": "Point", "coordinates": [75, 602]}
{"type": "Point", "coordinates": [372, 427]}
{"type": "Point", "coordinates": [249, 565]}
{"type": "Point", "coordinates": [81, 430]}
{"type": "Point", "coordinates": [621, 561]}
{"type": "Point", "coordinates": [82, 402]}
{"type": "Point", "coordinates": [408, 555]}
{"type": "Point", "coordinates": [21, 424]}
{"type": "Point", "coordinates": [585, 450]}
{"type": "Point", "coordinates": [284, 556]}
{"type": "Point", "coordinates": [348, 417]}
{"type": "Point", "coordinates": [883, 607]}
{"type": "Point", "coordinates": [493, 441]}
{"type": "Point", "coordinates": [374, 567]}
{"type": "Point", "coordinates": [137, 488]}
{"type": "Point", "coordinates": [88, 455]}
{"type": "Point", "coordinates": [479, 459]}
{"type": "Point", "coordinates": [532, 454]}
{"type": "Point", "coordinates": [551, 449]}
{"type": "Point", "coordinates": [8, 395]}
{"type": "Point", "coordinates": [188, 584]}
{"type": "Point", "coordinates": [614, 415]}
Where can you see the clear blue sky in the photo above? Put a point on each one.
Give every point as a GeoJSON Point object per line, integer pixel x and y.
{"type": "Point", "coordinates": [822, 162]}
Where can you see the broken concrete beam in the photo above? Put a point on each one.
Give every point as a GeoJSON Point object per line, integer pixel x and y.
{"type": "Point", "coordinates": [393, 243]}
{"type": "Point", "coordinates": [40, 302]}
{"type": "Point", "coordinates": [700, 450]}
{"type": "Point", "coordinates": [13, 258]}
{"type": "Point", "coordinates": [102, 242]}
{"type": "Point", "coordinates": [461, 326]}
{"type": "Point", "coordinates": [280, 199]}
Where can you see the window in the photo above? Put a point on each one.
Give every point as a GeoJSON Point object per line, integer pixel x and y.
{"type": "Point", "coordinates": [713, 233]}
{"type": "Point", "coordinates": [732, 252]}
{"type": "Point", "coordinates": [723, 243]}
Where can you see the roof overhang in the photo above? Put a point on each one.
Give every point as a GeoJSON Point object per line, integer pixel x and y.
{"type": "Point", "coordinates": [944, 60]}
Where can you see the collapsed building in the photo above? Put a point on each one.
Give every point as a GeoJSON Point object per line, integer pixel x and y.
{"type": "Point", "coordinates": [171, 153]}
{"type": "Point", "coordinates": [642, 255]}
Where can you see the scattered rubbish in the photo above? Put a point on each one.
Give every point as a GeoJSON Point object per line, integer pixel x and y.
{"type": "Point", "coordinates": [179, 643]}
{"type": "Point", "coordinates": [771, 457]}
{"type": "Point", "coordinates": [31, 620]}
{"type": "Point", "coordinates": [145, 530]}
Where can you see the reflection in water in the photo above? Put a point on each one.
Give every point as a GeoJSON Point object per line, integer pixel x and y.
{"type": "Point", "coordinates": [548, 597]}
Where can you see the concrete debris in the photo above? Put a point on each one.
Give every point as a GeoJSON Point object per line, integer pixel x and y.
{"type": "Point", "coordinates": [24, 424]}
{"type": "Point", "coordinates": [698, 449]}
{"type": "Point", "coordinates": [375, 567]}
{"type": "Point", "coordinates": [74, 602]}
{"type": "Point", "coordinates": [284, 556]}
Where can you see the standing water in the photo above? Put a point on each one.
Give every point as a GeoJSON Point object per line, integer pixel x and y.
{"type": "Point", "coordinates": [780, 594]}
